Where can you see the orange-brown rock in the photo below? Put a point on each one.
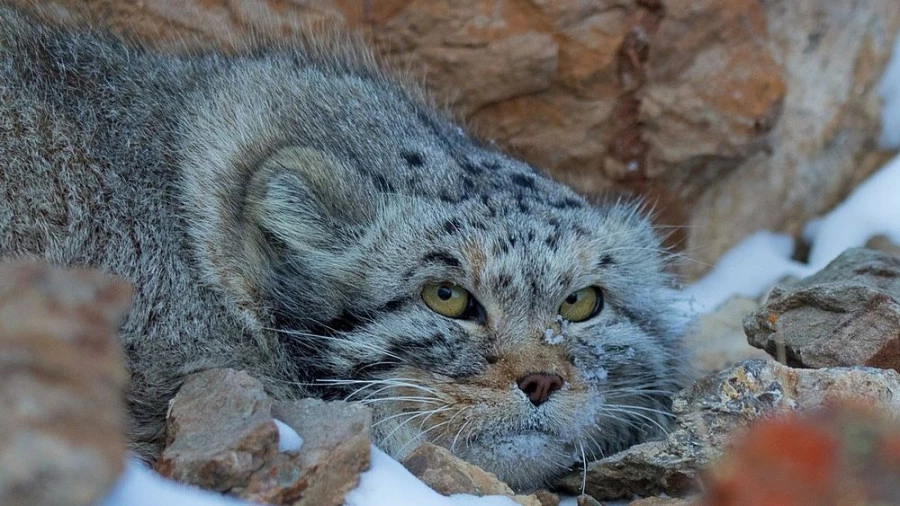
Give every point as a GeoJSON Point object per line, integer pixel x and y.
{"type": "Point", "coordinates": [62, 382]}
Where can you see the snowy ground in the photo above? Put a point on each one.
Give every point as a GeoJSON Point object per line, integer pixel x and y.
{"type": "Point", "coordinates": [748, 269]}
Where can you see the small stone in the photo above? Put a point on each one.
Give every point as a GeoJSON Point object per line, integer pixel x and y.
{"type": "Point", "coordinates": [709, 412]}
{"type": "Point", "coordinates": [62, 416]}
{"type": "Point", "coordinates": [846, 314]}
{"type": "Point", "coordinates": [336, 449]}
{"type": "Point", "coordinates": [220, 431]}
{"type": "Point", "coordinates": [587, 500]}
{"type": "Point", "coordinates": [526, 500]}
{"type": "Point", "coordinates": [547, 498]}
{"type": "Point", "coordinates": [448, 474]}
{"type": "Point", "coordinates": [883, 243]}
{"type": "Point", "coordinates": [664, 501]}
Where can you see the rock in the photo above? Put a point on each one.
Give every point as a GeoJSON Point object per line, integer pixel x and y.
{"type": "Point", "coordinates": [709, 412]}
{"type": "Point", "coordinates": [664, 501]}
{"type": "Point", "coordinates": [587, 500]}
{"type": "Point", "coordinates": [832, 54]}
{"type": "Point", "coordinates": [336, 449]}
{"type": "Point", "coordinates": [448, 474]}
{"type": "Point", "coordinates": [222, 436]}
{"type": "Point", "coordinates": [846, 314]}
{"type": "Point", "coordinates": [716, 340]}
{"type": "Point", "coordinates": [62, 415]}
{"type": "Point", "coordinates": [546, 498]}
{"type": "Point", "coordinates": [844, 453]}
{"type": "Point", "coordinates": [220, 431]}
{"type": "Point", "coordinates": [883, 243]}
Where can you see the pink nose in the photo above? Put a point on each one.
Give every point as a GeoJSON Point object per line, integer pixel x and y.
{"type": "Point", "coordinates": [539, 386]}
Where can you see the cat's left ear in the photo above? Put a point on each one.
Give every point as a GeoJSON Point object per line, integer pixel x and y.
{"type": "Point", "coordinates": [307, 198]}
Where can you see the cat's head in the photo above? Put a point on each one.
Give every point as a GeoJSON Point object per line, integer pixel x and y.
{"type": "Point", "coordinates": [472, 302]}
{"type": "Point", "coordinates": [488, 309]}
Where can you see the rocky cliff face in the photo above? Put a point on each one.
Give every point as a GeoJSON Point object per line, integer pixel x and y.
{"type": "Point", "coordinates": [729, 115]}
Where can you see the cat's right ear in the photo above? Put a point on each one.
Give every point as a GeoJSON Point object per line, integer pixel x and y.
{"type": "Point", "coordinates": [308, 199]}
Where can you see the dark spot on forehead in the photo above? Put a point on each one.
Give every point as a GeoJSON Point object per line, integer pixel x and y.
{"type": "Point", "coordinates": [523, 180]}
{"type": "Point", "coordinates": [471, 168]}
{"type": "Point", "coordinates": [452, 226]}
{"type": "Point", "coordinates": [503, 281]}
{"type": "Point", "coordinates": [606, 260]}
{"type": "Point", "coordinates": [567, 203]}
{"type": "Point", "coordinates": [413, 158]}
{"type": "Point", "coordinates": [381, 183]}
{"type": "Point", "coordinates": [441, 257]}
{"type": "Point", "coordinates": [520, 203]}
{"type": "Point", "coordinates": [552, 239]}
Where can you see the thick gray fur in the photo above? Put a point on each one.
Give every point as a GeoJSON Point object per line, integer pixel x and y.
{"type": "Point", "coordinates": [280, 212]}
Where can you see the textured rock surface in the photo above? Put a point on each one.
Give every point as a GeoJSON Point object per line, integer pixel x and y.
{"type": "Point", "coordinates": [220, 431]}
{"type": "Point", "coordinates": [846, 314]}
{"type": "Point", "coordinates": [222, 437]}
{"type": "Point", "coordinates": [832, 53]}
{"type": "Point", "coordinates": [843, 454]}
{"type": "Point", "coordinates": [712, 108]}
{"type": "Point", "coordinates": [709, 412]}
{"type": "Point", "coordinates": [716, 340]}
{"type": "Point", "coordinates": [336, 449]}
{"type": "Point", "coordinates": [448, 474]}
{"type": "Point", "coordinates": [62, 416]}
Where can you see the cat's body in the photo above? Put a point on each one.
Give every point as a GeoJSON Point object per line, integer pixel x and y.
{"type": "Point", "coordinates": [281, 212]}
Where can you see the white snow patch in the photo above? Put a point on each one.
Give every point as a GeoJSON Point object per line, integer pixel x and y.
{"type": "Point", "coordinates": [139, 486]}
{"type": "Point", "coordinates": [551, 336]}
{"type": "Point", "coordinates": [748, 269]}
{"type": "Point", "coordinates": [873, 208]}
{"type": "Point", "coordinates": [889, 92]}
{"type": "Point", "coordinates": [288, 439]}
{"type": "Point", "coordinates": [388, 483]}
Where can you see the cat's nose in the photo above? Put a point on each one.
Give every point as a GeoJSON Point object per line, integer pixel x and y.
{"type": "Point", "coordinates": [539, 386]}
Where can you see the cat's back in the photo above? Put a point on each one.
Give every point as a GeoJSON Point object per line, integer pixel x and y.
{"type": "Point", "coordinates": [84, 122]}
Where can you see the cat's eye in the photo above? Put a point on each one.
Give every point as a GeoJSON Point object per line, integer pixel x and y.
{"type": "Point", "coordinates": [447, 299]}
{"type": "Point", "coordinates": [582, 304]}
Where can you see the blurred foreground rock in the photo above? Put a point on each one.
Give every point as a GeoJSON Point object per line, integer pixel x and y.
{"type": "Point", "coordinates": [222, 436]}
{"type": "Point", "coordinates": [62, 382]}
{"type": "Point", "coordinates": [731, 115]}
{"type": "Point", "coordinates": [846, 314]}
{"type": "Point", "coordinates": [708, 414]}
{"type": "Point", "coordinates": [845, 453]}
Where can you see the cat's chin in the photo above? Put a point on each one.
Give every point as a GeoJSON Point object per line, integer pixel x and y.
{"type": "Point", "coordinates": [525, 461]}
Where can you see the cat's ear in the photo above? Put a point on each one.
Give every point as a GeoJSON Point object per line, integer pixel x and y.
{"type": "Point", "coordinates": [308, 199]}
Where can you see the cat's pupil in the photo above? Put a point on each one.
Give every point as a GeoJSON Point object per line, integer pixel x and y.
{"type": "Point", "coordinates": [571, 299]}
{"type": "Point", "coordinates": [444, 293]}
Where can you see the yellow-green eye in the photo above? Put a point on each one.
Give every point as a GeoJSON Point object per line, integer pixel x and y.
{"type": "Point", "coordinates": [581, 305]}
{"type": "Point", "coordinates": [446, 299]}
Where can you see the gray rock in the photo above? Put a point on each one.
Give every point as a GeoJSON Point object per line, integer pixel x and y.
{"type": "Point", "coordinates": [336, 449]}
{"type": "Point", "coordinates": [222, 437]}
{"type": "Point", "coordinates": [708, 413]}
{"type": "Point", "coordinates": [220, 431]}
{"type": "Point", "coordinates": [846, 314]}
{"type": "Point", "coordinates": [62, 382]}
